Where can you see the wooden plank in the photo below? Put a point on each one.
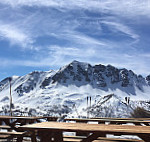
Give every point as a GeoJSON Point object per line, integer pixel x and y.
{"type": "Point", "coordinates": [61, 126]}
{"type": "Point", "coordinates": [102, 140]}
{"type": "Point", "coordinates": [120, 118]}
{"type": "Point", "coordinates": [74, 137]}
{"type": "Point", "coordinates": [108, 141]}
{"type": "Point", "coordinates": [66, 137]}
{"type": "Point", "coordinates": [119, 139]}
{"type": "Point", "coordinates": [106, 120]}
{"type": "Point", "coordinates": [5, 127]}
{"type": "Point", "coordinates": [95, 129]}
{"type": "Point", "coordinates": [5, 136]}
{"type": "Point", "coordinates": [112, 121]}
{"type": "Point", "coordinates": [20, 117]}
{"type": "Point", "coordinates": [71, 140]}
{"type": "Point", "coordinates": [12, 133]}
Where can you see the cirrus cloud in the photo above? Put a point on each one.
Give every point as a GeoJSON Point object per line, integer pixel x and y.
{"type": "Point", "coordinates": [96, 31]}
{"type": "Point", "coordinates": [14, 35]}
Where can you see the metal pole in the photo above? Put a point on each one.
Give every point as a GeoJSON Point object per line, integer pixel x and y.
{"type": "Point", "coordinates": [90, 105]}
{"type": "Point", "coordinates": [10, 98]}
{"type": "Point", "coordinates": [87, 108]}
{"type": "Point", "coordinates": [90, 101]}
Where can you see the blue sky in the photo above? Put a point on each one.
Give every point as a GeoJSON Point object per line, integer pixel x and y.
{"type": "Point", "coordinates": [47, 34]}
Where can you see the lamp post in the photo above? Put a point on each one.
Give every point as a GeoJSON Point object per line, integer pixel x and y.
{"type": "Point", "coordinates": [87, 107]}
{"type": "Point", "coordinates": [10, 97]}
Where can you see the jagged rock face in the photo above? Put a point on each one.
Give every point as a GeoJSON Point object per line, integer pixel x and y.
{"type": "Point", "coordinates": [30, 83]}
{"type": "Point", "coordinates": [124, 75]}
{"type": "Point", "coordinates": [98, 76]}
{"type": "Point", "coordinates": [148, 79]}
{"type": "Point", "coordinates": [113, 73]}
{"type": "Point", "coordinates": [3, 82]}
{"type": "Point", "coordinates": [73, 73]}
{"type": "Point", "coordinates": [46, 82]}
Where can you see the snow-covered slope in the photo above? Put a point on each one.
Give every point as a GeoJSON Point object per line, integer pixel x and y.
{"type": "Point", "coordinates": [65, 91]}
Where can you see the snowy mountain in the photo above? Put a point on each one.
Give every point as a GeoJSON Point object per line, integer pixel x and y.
{"type": "Point", "coordinates": [65, 91]}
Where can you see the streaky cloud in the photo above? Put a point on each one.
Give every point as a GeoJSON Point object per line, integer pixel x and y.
{"type": "Point", "coordinates": [15, 35]}
{"type": "Point", "coordinates": [122, 28]}
{"type": "Point", "coordinates": [129, 8]}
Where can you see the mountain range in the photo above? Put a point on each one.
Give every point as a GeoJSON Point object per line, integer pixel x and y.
{"type": "Point", "coordinates": [67, 91]}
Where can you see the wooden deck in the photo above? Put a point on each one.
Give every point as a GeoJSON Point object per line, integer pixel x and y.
{"type": "Point", "coordinates": [56, 130]}
{"type": "Point", "coordinates": [53, 131]}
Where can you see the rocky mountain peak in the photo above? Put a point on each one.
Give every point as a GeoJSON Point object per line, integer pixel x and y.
{"type": "Point", "coordinates": [73, 73]}
{"type": "Point", "coordinates": [98, 76]}
{"type": "Point", "coordinates": [79, 73]}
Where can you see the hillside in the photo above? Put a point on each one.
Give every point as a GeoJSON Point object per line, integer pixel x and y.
{"type": "Point", "coordinates": [65, 91]}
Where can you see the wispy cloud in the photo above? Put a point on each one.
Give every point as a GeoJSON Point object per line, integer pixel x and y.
{"type": "Point", "coordinates": [130, 7]}
{"type": "Point", "coordinates": [25, 31]}
{"type": "Point", "coordinates": [14, 35]}
{"type": "Point", "coordinates": [32, 25]}
{"type": "Point", "coordinates": [122, 28]}
{"type": "Point", "coordinates": [82, 39]}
